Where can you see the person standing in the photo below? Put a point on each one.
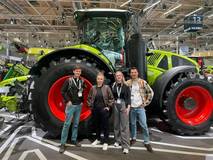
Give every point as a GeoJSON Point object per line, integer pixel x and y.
{"type": "Point", "coordinates": [141, 96]}
{"type": "Point", "coordinates": [72, 92]}
{"type": "Point", "coordinates": [122, 104]}
{"type": "Point", "coordinates": [100, 99]}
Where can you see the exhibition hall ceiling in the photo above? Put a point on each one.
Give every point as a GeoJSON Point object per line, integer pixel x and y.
{"type": "Point", "coordinates": [50, 23]}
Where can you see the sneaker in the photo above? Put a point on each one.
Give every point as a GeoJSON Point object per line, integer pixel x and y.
{"type": "Point", "coordinates": [125, 151]}
{"type": "Point", "coordinates": [96, 142]}
{"type": "Point", "coordinates": [133, 141]}
{"type": "Point", "coordinates": [75, 143]}
{"type": "Point", "coordinates": [116, 144]}
{"type": "Point", "coordinates": [105, 146]}
{"type": "Point", "coordinates": [62, 148]}
{"type": "Point", "coordinates": [148, 147]}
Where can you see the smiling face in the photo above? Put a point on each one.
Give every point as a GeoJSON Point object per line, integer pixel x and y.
{"type": "Point", "coordinates": [100, 79]}
{"type": "Point", "coordinates": [119, 77]}
{"type": "Point", "coordinates": [77, 72]}
{"type": "Point", "coordinates": [134, 73]}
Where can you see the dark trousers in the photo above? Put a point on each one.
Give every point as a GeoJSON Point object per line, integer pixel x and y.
{"type": "Point", "coordinates": [101, 121]}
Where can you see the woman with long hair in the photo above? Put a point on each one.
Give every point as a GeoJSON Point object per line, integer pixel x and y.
{"type": "Point", "coordinates": [122, 95]}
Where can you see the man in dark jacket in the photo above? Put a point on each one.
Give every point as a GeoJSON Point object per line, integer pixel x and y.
{"type": "Point", "coordinates": [72, 92]}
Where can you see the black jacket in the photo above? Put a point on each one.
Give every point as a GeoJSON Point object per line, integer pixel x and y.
{"type": "Point", "coordinates": [107, 96]}
{"type": "Point", "coordinates": [69, 91]}
{"type": "Point", "coordinates": [125, 93]}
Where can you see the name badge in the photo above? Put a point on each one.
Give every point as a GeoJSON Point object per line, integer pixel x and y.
{"type": "Point", "coordinates": [79, 94]}
{"type": "Point", "coordinates": [118, 101]}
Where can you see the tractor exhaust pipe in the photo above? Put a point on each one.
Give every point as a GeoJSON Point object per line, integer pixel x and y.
{"type": "Point", "coordinates": [136, 49]}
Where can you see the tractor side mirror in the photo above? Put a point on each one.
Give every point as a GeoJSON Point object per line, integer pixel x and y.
{"type": "Point", "coordinates": [149, 54]}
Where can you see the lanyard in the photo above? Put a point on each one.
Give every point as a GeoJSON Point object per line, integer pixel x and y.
{"type": "Point", "coordinates": [79, 84]}
{"type": "Point", "coordinates": [119, 90]}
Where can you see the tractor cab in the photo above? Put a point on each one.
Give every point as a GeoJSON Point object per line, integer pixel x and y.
{"type": "Point", "coordinates": [104, 29]}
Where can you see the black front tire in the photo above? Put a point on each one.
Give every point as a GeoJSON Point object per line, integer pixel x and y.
{"type": "Point", "coordinates": [174, 90]}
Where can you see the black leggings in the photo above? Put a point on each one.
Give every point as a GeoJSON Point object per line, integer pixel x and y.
{"type": "Point", "coordinates": [101, 121]}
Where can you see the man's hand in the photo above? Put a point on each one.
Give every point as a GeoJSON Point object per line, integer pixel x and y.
{"type": "Point", "coordinates": [143, 104]}
{"type": "Point", "coordinates": [69, 103]}
{"type": "Point", "coordinates": [127, 110]}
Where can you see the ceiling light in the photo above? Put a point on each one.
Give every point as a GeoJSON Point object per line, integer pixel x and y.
{"type": "Point", "coordinates": [194, 11]}
{"type": "Point", "coordinates": [11, 21]}
{"type": "Point", "coordinates": [172, 9]}
{"type": "Point", "coordinates": [30, 21]}
{"type": "Point", "coordinates": [127, 2]}
{"type": "Point", "coordinates": [164, 6]}
{"type": "Point", "coordinates": [63, 16]}
{"type": "Point", "coordinates": [154, 4]}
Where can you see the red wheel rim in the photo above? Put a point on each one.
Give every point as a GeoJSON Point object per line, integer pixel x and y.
{"type": "Point", "coordinates": [203, 105]}
{"type": "Point", "coordinates": [56, 104]}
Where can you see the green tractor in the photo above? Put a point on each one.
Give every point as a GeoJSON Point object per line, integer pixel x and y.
{"type": "Point", "coordinates": [183, 98]}
{"type": "Point", "coordinates": [13, 89]}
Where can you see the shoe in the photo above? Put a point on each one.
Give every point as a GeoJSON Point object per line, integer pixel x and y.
{"type": "Point", "coordinates": [62, 148]}
{"type": "Point", "coordinates": [133, 141]}
{"type": "Point", "coordinates": [105, 146]}
{"type": "Point", "coordinates": [96, 142]}
{"type": "Point", "coordinates": [116, 144]}
{"type": "Point", "coordinates": [75, 143]}
{"type": "Point", "coordinates": [148, 147]}
{"type": "Point", "coordinates": [125, 151]}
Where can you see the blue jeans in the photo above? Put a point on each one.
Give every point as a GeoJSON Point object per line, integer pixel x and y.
{"type": "Point", "coordinates": [74, 112]}
{"type": "Point", "coordinates": [141, 115]}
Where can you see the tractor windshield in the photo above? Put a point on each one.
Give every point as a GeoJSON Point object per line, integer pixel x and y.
{"type": "Point", "coordinates": [106, 34]}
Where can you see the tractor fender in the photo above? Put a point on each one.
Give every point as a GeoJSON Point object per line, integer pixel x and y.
{"type": "Point", "coordinates": [70, 52]}
{"type": "Point", "coordinates": [163, 80]}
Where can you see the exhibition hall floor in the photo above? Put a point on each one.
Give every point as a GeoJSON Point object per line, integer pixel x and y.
{"type": "Point", "coordinates": [20, 139]}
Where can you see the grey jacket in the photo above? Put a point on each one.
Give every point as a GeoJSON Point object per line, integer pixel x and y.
{"type": "Point", "coordinates": [107, 95]}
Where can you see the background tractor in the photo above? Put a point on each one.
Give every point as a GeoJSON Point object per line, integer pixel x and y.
{"type": "Point", "coordinates": [205, 61]}
{"type": "Point", "coordinates": [183, 98]}
{"type": "Point", "coordinates": [13, 88]}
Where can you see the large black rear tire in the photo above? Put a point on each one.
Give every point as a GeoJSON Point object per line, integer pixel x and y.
{"type": "Point", "coordinates": [42, 84]}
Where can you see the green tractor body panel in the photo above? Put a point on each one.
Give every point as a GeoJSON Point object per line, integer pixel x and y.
{"type": "Point", "coordinates": [39, 51]}
{"type": "Point", "coordinates": [161, 61]}
{"type": "Point", "coordinates": [10, 102]}
{"type": "Point", "coordinates": [10, 81]}
{"type": "Point", "coordinates": [209, 69]}
{"type": "Point", "coordinates": [16, 70]}
{"type": "Point", "coordinates": [92, 50]}
{"type": "Point", "coordinates": [95, 52]}
{"type": "Point", "coordinates": [153, 73]}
